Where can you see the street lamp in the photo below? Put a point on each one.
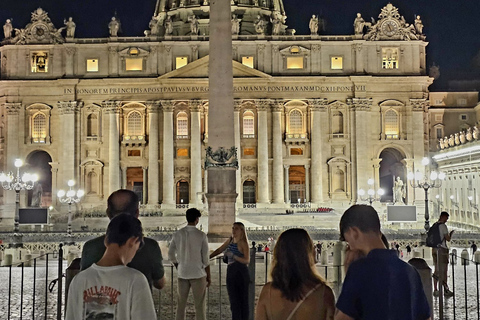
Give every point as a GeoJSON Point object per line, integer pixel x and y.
{"type": "Point", "coordinates": [426, 181]}
{"type": "Point", "coordinates": [371, 193]}
{"type": "Point", "coordinates": [18, 183]}
{"type": "Point", "coordinates": [472, 203]}
{"type": "Point", "coordinates": [453, 202]}
{"type": "Point", "coordinates": [70, 197]}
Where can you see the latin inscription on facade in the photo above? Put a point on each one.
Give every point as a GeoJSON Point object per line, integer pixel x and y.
{"type": "Point", "coordinates": [204, 89]}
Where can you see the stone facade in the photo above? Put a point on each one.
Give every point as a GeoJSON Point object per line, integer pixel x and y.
{"type": "Point", "coordinates": [314, 115]}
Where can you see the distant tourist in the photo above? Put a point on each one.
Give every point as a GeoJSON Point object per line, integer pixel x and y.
{"type": "Point", "coordinates": [148, 261]}
{"type": "Point", "coordinates": [110, 289]}
{"type": "Point", "coordinates": [318, 249]}
{"type": "Point", "coordinates": [474, 248]}
{"type": "Point", "coordinates": [409, 250]}
{"type": "Point", "coordinates": [238, 278]}
{"type": "Point", "coordinates": [440, 255]}
{"type": "Point", "coordinates": [380, 285]}
{"type": "Point", "coordinates": [188, 251]}
{"type": "Point", "coordinates": [296, 291]}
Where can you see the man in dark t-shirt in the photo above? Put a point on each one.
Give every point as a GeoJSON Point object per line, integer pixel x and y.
{"type": "Point", "coordinates": [147, 260]}
{"type": "Point", "coordinates": [380, 285]}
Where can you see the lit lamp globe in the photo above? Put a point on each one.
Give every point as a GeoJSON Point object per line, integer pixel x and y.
{"type": "Point", "coordinates": [61, 193]}
{"type": "Point", "coordinates": [381, 192]}
{"type": "Point", "coordinates": [361, 192]}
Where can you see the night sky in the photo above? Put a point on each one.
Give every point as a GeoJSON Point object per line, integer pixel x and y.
{"type": "Point", "coordinates": [452, 27]}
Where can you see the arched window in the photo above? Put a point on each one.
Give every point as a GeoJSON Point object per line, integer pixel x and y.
{"type": "Point", "coordinates": [39, 128]}
{"type": "Point", "coordinates": [182, 124]}
{"type": "Point", "coordinates": [391, 124]}
{"type": "Point", "coordinates": [248, 124]}
{"type": "Point", "coordinates": [337, 123]}
{"type": "Point", "coordinates": [249, 191]}
{"type": "Point", "coordinates": [296, 122]}
{"type": "Point", "coordinates": [92, 125]}
{"type": "Point", "coordinates": [134, 124]}
{"type": "Point", "coordinates": [92, 183]}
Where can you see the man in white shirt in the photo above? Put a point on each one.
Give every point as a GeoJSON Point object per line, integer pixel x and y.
{"type": "Point", "coordinates": [189, 253]}
{"type": "Point", "coordinates": [440, 256]}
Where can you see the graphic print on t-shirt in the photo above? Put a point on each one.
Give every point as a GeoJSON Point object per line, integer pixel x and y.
{"type": "Point", "coordinates": [100, 302]}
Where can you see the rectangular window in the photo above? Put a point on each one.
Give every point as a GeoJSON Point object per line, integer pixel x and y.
{"type": "Point", "coordinates": [439, 133]}
{"type": "Point", "coordinates": [463, 117]}
{"type": "Point", "coordinates": [248, 151]}
{"type": "Point", "coordinates": [296, 152]}
{"type": "Point", "coordinates": [180, 62]}
{"type": "Point", "coordinates": [39, 62]}
{"type": "Point", "coordinates": [134, 64]}
{"type": "Point", "coordinates": [462, 102]}
{"type": "Point", "coordinates": [182, 152]}
{"type": "Point", "coordinates": [182, 127]}
{"type": "Point", "coordinates": [336, 63]}
{"type": "Point", "coordinates": [389, 58]}
{"type": "Point", "coordinates": [247, 61]}
{"type": "Point", "coordinates": [294, 62]}
{"type": "Point", "coordinates": [92, 65]}
{"type": "Point", "coordinates": [134, 153]}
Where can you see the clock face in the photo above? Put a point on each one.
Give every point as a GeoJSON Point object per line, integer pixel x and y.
{"type": "Point", "coordinates": [389, 27]}
{"type": "Point", "coordinates": [39, 31]}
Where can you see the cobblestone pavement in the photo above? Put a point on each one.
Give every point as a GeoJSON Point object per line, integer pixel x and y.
{"type": "Point", "coordinates": [33, 302]}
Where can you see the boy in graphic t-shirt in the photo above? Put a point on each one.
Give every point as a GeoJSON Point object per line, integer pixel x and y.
{"type": "Point", "coordinates": [110, 289]}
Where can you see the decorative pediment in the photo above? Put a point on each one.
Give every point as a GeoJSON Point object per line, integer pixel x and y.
{"type": "Point", "coordinates": [199, 69]}
{"type": "Point", "coordinates": [91, 162]}
{"type": "Point", "coordinates": [40, 30]}
{"type": "Point", "coordinates": [390, 26]}
{"type": "Point", "coordinates": [295, 50]}
{"type": "Point", "coordinates": [38, 107]}
{"type": "Point", "coordinates": [391, 103]}
{"type": "Point", "coordinates": [337, 105]}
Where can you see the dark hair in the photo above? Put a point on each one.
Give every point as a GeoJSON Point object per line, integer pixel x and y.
{"type": "Point", "coordinates": [122, 201]}
{"type": "Point", "coordinates": [362, 216]}
{"type": "Point", "coordinates": [444, 213]}
{"type": "Point", "coordinates": [293, 266]}
{"type": "Point", "coordinates": [122, 227]}
{"type": "Point", "coordinates": [193, 214]}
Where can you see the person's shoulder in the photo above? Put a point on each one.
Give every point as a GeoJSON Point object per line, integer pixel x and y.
{"type": "Point", "coordinates": [150, 242]}
{"type": "Point", "coordinates": [94, 241]}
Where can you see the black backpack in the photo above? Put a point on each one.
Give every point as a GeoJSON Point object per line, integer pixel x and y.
{"type": "Point", "coordinates": [433, 236]}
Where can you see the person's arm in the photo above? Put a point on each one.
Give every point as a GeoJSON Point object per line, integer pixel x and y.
{"type": "Point", "coordinates": [158, 272]}
{"type": "Point", "coordinates": [172, 253]}
{"type": "Point", "coordinates": [160, 283]}
{"type": "Point", "coordinates": [209, 276]}
{"type": "Point", "coordinates": [243, 248]}
{"type": "Point", "coordinates": [221, 248]}
{"type": "Point", "coordinates": [339, 315]}
{"type": "Point", "coordinates": [205, 260]}
{"type": "Point", "coordinates": [329, 303]}
{"type": "Point", "coordinates": [448, 236]}
{"type": "Point", "coordinates": [142, 306]}
{"type": "Point", "coordinates": [261, 309]}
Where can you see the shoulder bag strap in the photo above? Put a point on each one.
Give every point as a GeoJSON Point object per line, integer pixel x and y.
{"type": "Point", "coordinates": [301, 301]}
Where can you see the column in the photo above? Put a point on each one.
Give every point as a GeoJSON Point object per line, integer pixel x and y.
{"type": "Point", "coordinates": [153, 147]}
{"type": "Point", "coordinates": [317, 107]}
{"type": "Point", "coordinates": [145, 181]}
{"type": "Point", "coordinates": [68, 110]}
{"type": "Point", "coordinates": [307, 183]}
{"type": "Point", "coordinates": [376, 173]}
{"type": "Point", "coordinates": [70, 51]}
{"type": "Point", "coordinates": [123, 180]}
{"type": "Point", "coordinates": [113, 110]}
{"type": "Point", "coordinates": [262, 152]}
{"type": "Point", "coordinates": [54, 169]}
{"type": "Point", "coordinates": [238, 134]}
{"type": "Point", "coordinates": [277, 151]}
{"type": "Point", "coordinates": [418, 106]}
{"type": "Point", "coordinates": [195, 152]}
{"type": "Point", "coordinates": [12, 146]}
{"type": "Point", "coordinates": [287, 186]}
{"type": "Point", "coordinates": [168, 164]}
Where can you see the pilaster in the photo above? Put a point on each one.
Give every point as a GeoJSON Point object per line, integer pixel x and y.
{"type": "Point", "coordinates": [168, 151]}
{"type": "Point", "coordinates": [262, 151]}
{"type": "Point", "coordinates": [112, 109]}
{"type": "Point", "coordinates": [195, 153]}
{"type": "Point", "coordinates": [277, 152]}
{"type": "Point", "coordinates": [153, 109]}
{"type": "Point", "coordinates": [317, 146]}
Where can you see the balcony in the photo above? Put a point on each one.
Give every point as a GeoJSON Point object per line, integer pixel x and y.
{"type": "Point", "coordinates": [132, 140]}
{"type": "Point", "coordinates": [296, 138]}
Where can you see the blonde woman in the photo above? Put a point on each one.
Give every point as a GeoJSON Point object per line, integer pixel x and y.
{"type": "Point", "coordinates": [237, 271]}
{"type": "Point", "coordinates": [296, 291]}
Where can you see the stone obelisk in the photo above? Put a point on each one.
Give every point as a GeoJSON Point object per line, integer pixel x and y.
{"type": "Point", "coordinates": [221, 159]}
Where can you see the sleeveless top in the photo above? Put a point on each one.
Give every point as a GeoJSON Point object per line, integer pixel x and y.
{"type": "Point", "coordinates": [233, 247]}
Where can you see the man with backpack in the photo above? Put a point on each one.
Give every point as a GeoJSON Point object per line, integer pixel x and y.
{"type": "Point", "coordinates": [437, 238]}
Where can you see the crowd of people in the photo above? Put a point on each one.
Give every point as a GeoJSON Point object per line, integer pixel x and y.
{"type": "Point", "coordinates": [120, 268]}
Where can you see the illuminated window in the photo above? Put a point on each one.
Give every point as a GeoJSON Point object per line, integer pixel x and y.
{"type": "Point", "coordinates": [39, 62]}
{"type": "Point", "coordinates": [391, 125]}
{"type": "Point", "coordinates": [92, 65]}
{"type": "Point", "coordinates": [248, 151]}
{"type": "Point", "coordinates": [247, 61]}
{"type": "Point", "coordinates": [134, 153]}
{"type": "Point", "coordinates": [294, 62]}
{"type": "Point", "coordinates": [294, 49]}
{"type": "Point", "coordinates": [92, 125]}
{"type": "Point", "coordinates": [134, 51]}
{"type": "Point", "coordinates": [134, 64]}
{"type": "Point", "coordinates": [134, 124]}
{"type": "Point", "coordinates": [248, 124]}
{"type": "Point", "coordinates": [296, 151]}
{"type": "Point", "coordinates": [296, 122]}
{"type": "Point", "coordinates": [390, 58]}
{"type": "Point", "coordinates": [336, 63]}
{"type": "Point", "coordinates": [39, 128]}
{"type": "Point", "coordinates": [182, 152]}
{"type": "Point", "coordinates": [182, 124]}
{"type": "Point", "coordinates": [180, 62]}
{"type": "Point", "coordinates": [249, 191]}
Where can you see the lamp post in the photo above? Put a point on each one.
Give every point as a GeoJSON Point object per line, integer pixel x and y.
{"type": "Point", "coordinates": [431, 179]}
{"type": "Point", "coordinates": [472, 203]}
{"type": "Point", "coordinates": [70, 197]}
{"type": "Point", "coordinates": [18, 183]}
{"type": "Point", "coordinates": [371, 192]}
